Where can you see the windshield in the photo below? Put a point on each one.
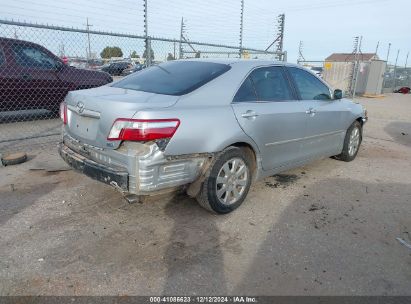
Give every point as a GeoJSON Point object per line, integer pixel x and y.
{"type": "Point", "coordinates": [174, 77]}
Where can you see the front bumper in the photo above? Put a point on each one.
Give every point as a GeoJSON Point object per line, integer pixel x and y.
{"type": "Point", "coordinates": [135, 168]}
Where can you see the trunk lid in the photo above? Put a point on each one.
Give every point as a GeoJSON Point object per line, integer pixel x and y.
{"type": "Point", "coordinates": [91, 113]}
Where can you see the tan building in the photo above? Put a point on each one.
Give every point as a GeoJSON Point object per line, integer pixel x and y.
{"type": "Point", "coordinates": [338, 69]}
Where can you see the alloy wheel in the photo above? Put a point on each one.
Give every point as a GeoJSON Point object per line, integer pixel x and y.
{"type": "Point", "coordinates": [232, 181]}
{"type": "Point", "coordinates": [354, 141]}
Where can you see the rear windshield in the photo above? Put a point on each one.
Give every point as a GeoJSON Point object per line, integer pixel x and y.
{"type": "Point", "coordinates": [173, 77]}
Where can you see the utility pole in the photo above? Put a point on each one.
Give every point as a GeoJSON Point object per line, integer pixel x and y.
{"type": "Point", "coordinates": [300, 53]}
{"type": "Point", "coordinates": [376, 49]}
{"type": "Point", "coordinates": [241, 29]}
{"type": "Point", "coordinates": [357, 67]}
{"type": "Point", "coordinates": [62, 52]}
{"type": "Point", "coordinates": [386, 66]}
{"type": "Point", "coordinates": [279, 39]}
{"type": "Point", "coordinates": [182, 27]}
{"type": "Point", "coordinates": [354, 64]}
{"type": "Point", "coordinates": [147, 41]}
{"type": "Point", "coordinates": [395, 71]}
{"type": "Point", "coordinates": [388, 52]}
{"type": "Point", "coordinates": [281, 23]}
{"type": "Point", "coordinates": [405, 66]}
{"type": "Point", "coordinates": [88, 38]}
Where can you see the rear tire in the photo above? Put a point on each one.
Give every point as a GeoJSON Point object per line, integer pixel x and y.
{"type": "Point", "coordinates": [352, 142]}
{"type": "Point", "coordinates": [227, 181]}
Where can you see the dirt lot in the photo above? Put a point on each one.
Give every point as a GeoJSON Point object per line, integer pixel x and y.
{"type": "Point", "coordinates": [329, 228]}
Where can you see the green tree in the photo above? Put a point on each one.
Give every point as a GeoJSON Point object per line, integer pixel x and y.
{"type": "Point", "coordinates": [111, 51]}
{"type": "Point", "coordinates": [170, 57]}
{"type": "Point", "coordinates": [145, 54]}
{"type": "Point", "coordinates": [134, 55]}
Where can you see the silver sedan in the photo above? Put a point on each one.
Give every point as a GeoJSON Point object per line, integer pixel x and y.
{"type": "Point", "coordinates": [210, 127]}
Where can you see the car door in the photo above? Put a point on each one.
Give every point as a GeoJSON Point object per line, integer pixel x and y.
{"type": "Point", "coordinates": [12, 87]}
{"type": "Point", "coordinates": [8, 86]}
{"type": "Point", "coordinates": [36, 71]}
{"type": "Point", "coordinates": [267, 110]}
{"type": "Point", "coordinates": [325, 129]}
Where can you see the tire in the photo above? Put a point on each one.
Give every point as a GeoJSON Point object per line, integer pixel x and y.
{"type": "Point", "coordinates": [238, 184]}
{"type": "Point", "coordinates": [348, 154]}
{"type": "Point", "coordinates": [14, 159]}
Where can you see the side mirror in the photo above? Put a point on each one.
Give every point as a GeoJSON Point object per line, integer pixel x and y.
{"type": "Point", "coordinates": [338, 94]}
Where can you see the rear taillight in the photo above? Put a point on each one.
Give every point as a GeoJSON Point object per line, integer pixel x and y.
{"type": "Point", "coordinates": [63, 112]}
{"type": "Point", "coordinates": [142, 129]}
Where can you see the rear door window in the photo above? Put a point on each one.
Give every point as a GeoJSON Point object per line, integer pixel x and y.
{"type": "Point", "coordinates": [246, 92]}
{"type": "Point", "coordinates": [271, 84]}
{"type": "Point", "coordinates": [265, 84]}
{"type": "Point", "coordinates": [31, 57]}
{"type": "Point", "coordinates": [174, 77]}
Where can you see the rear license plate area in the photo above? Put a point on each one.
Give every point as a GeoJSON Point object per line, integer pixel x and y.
{"type": "Point", "coordinates": [83, 126]}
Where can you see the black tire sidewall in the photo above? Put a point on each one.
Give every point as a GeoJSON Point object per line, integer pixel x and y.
{"type": "Point", "coordinates": [14, 161]}
{"type": "Point", "coordinates": [213, 200]}
{"type": "Point", "coordinates": [345, 155]}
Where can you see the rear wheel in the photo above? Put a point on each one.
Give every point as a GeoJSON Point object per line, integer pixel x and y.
{"type": "Point", "coordinates": [352, 142]}
{"type": "Point", "coordinates": [227, 182]}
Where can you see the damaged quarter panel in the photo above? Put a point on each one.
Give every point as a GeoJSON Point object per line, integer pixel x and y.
{"type": "Point", "coordinates": [202, 129]}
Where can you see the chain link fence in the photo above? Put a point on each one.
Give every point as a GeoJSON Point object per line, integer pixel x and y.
{"type": "Point", "coordinates": [338, 74]}
{"type": "Point", "coordinates": [396, 77]}
{"type": "Point", "coordinates": [315, 66]}
{"type": "Point", "coordinates": [39, 64]}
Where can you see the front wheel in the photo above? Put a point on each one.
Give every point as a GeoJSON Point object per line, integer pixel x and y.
{"type": "Point", "coordinates": [227, 181]}
{"type": "Point", "coordinates": [352, 142]}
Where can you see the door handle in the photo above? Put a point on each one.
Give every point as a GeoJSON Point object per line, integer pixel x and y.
{"type": "Point", "coordinates": [249, 114]}
{"type": "Point", "coordinates": [311, 111]}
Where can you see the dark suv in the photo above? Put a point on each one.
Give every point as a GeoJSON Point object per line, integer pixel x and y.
{"type": "Point", "coordinates": [31, 77]}
{"type": "Point", "coordinates": [116, 68]}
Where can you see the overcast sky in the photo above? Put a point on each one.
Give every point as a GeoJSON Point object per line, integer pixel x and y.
{"type": "Point", "coordinates": [325, 26]}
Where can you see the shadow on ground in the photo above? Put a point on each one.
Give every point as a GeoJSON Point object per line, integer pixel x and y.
{"type": "Point", "coordinates": [193, 257]}
{"type": "Point", "coordinates": [15, 199]}
{"type": "Point", "coordinates": [400, 132]}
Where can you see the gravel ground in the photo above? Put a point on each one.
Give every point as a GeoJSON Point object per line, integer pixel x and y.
{"type": "Point", "coordinates": [21, 134]}
{"type": "Point", "coordinates": [328, 228]}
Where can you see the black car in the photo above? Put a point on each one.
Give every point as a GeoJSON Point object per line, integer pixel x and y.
{"type": "Point", "coordinates": [133, 69]}
{"type": "Point", "coordinates": [116, 68]}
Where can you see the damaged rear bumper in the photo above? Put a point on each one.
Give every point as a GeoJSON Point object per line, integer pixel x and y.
{"type": "Point", "coordinates": [133, 168]}
{"type": "Point", "coordinates": [116, 177]}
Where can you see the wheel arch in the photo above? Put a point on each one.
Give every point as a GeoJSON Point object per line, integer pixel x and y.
{"type": "Point", "coordinates": [251, 152]}
{"type": "Point", "coordinates": [360, 120]}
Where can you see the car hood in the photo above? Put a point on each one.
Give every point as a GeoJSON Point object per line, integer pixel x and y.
{"type": "Point", "coordinates": [91, 113]}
